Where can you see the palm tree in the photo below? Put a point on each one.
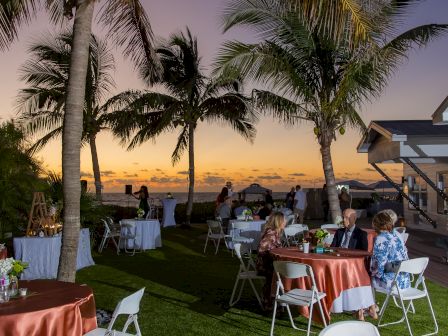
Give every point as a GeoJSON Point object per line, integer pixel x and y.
{"type": "Point", "coordinates": [41, 104]}
{"type": "Point", "coordinates": [312, 77]}
{"type": "Point", "coordinates": [190, 98]}
{"type": "Point", "coordinates": [129, 27]}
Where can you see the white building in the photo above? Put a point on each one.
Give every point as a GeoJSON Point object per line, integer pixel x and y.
{"type": "Point", "coordinates": [422, 147]}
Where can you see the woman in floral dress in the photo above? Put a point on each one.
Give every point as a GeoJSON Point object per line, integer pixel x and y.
{"type": "Point", "coordinates": [270, 239]}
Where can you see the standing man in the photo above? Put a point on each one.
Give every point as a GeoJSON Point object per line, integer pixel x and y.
{"type": "Point", "coordinates": [299, 204]}
{"type": "Point", "coordinates": [350, 236]}
{"type": "Point", "coordinates": [229, 188]}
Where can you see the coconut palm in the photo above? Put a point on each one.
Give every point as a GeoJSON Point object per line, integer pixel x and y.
{"type": "Point", "coordinates": [128, 27]}
{"type": "Point", "coordinates": [41, 104]}
{"type": "Point", "coordinates": [308, 76]}
{"type": "Point", "coordinates": [190, 98]}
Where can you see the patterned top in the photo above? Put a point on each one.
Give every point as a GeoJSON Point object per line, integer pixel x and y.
{"type": "Point", "coordinates": [388, 248]}
{"type": "Point", "coordinates": [269, 241]}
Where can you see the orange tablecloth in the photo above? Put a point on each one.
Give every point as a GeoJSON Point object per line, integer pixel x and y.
{"type": "Point", "coordinates": [371, 234]}
{"type": "Point", "coordinates": [333, 274]}
{"type": "Point", "coordinates": [57, 309]}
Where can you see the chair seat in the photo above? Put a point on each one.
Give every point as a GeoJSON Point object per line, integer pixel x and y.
{"type": "Point", "coordinates": [299, 297]}
{"type": "Point", "coordinates": [102, 332]}
{"type": "Point", "coordinates": [250, 275]}
{"type": "Point", "coordinates": [216, 235]}
{"type": "Point", "coordinates": [410, 293]}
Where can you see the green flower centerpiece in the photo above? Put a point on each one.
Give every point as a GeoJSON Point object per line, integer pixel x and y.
{"type": "Point", "coordinates": [247, 214]}
{"type": "Point", "coordinates": [320, 235]}
{"type": "Point", "coordinates": [140, 213]}
{"type": "Point", "coordinates": [10, 270]}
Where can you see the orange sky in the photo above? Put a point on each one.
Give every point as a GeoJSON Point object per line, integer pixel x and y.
{"type": "Point", "coordinates": [279, 157]}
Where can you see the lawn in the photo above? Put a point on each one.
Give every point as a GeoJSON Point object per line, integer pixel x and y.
{"type": "Point", "coordinates": [187, 292]}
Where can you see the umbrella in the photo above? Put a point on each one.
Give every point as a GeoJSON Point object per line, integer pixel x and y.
{"type": "Point", "coordinates": [354, 185]}
{"type": "Point", "coordinates": [382, 185]}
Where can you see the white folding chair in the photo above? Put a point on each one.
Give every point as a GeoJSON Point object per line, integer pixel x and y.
{"type": "Point", "coordinates": [290, 233]}
{"type": "Point", "coordinates": [329, 226]}
{"type": "Point", "coordinates": [290, 220]}
{"type": "Point", "coordinates": [405, 237]}
{"type": "Point", "coordinates": [246, 272]}
{"type": "Point", "coordinates": [128, 234]}
{"type": "Point", "coordinates": [296, 297]}
{"type": "Point", "coordinates": [130, 305]}
{"type": "Point", "coordinates": [350, 328]}
{"type": "Point", "coordinates": [216, 234]}
{"type": "Point", "coordinates": [109, 233]}
{"type": "Point", "coordinates": [415, 267]}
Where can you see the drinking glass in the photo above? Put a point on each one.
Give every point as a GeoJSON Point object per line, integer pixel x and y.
{"type": "Point", "coordinates": [4, 294]}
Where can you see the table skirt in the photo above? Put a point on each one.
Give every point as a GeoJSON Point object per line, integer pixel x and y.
{"type": "Point", "coordinates": [148, 235]}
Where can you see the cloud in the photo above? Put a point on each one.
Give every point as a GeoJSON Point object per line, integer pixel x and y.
{"type": "Point", "coordinates": [167, 179]}
{"type": "Point", "coordinates": [255, 170]}
{"type": "Point", "coordinates": [183, 172]}
{"type": "Point", "coordinates": [131, 175]}
{"type": "Point", "coordinates": [107, 173]}
{"type": "Point", "coordinates": [297, 174]}
{"type": "Point", "coordinates": [135, 163]}
{"type": "Point", "coordinates": [158, 169]}
{"type": "Point", "coordinates": [86, 174]}
{"type": "Point", "coordinates": [369, 169]}
{"type": "Point", "coordinates": [213, 179]}
{"type": "Point", "coordinates": [270, 177]}
{"type": "Point", "coordinates": [143, 170]}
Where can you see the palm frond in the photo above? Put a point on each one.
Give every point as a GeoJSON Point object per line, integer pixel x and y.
{"type": "Point", "coordinates": [42, 142]}
{"type": "Point", "coordinates": [181, 146]}
{"type": "Point", "coordinates": [129, 27]}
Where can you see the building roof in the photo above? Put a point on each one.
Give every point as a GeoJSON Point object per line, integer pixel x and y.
{"type": "Point", "coordinates": [412, 127]}
{"type": "Point", "coordinates": [254, 188]}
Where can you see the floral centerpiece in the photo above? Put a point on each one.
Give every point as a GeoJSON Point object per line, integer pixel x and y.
{"type": "Point", "coordinates": [140, 213]}
{"type": "Point", "coordinates": [247, 214]}
{"type": "Point", "coordinates": [10, 270]}
{"type": "Point", "coordinates": [339, 221]}
{"type": "Point", "coordinates": [320, 235]}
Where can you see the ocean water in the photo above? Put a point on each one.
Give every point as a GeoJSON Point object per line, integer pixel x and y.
{"type": "Point", "coordinates": [181, 197]}
{"type": "Point", "coordinates": [122, 199]}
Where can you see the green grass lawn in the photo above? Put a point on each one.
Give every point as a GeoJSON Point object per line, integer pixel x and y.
{"type": "Point", "coordinates": [187, 292]}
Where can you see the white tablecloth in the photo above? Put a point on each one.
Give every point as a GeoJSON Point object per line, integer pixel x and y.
{"type": "Point", "coordinates": [254, 231]}
{"type": "Point", "coordinates": [148, 235]}
{"type": "Point", "coordinates": [169, 204]}
{"type": "Point", "coordinates": [353, 299]}
{"type": "Point", "coordinates": [42, 254]}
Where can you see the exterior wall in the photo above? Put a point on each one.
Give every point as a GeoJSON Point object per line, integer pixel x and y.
{"type": "Point", "coordinates": [431, 171]}
{"type": "Point", "coordinates": [383, 149]}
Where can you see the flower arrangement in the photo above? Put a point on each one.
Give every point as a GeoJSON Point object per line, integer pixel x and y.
{"type": "Point", "coordinates": [12, 267]}
{"type": "Point", "coordinates": [320, 235]}
{"type": "Point", "coordinates": [247, 214]}
{"type": "Point", "coordinates": [339, 221]}
{"type": "Point", "coordinates": [140, 213]}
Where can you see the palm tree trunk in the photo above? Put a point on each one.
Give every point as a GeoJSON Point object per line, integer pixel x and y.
{"type": "Point", "coordinates": [71, 139]}
{"type": "Point", "coordinates": [190, 172]}
{"type": "Point", "coordinates": [96, 166]}
{"type": "Point", "coordinates": [333, 199]}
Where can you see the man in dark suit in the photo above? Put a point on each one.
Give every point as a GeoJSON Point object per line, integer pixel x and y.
{"type": "Point", "coordinates": [350, 236]}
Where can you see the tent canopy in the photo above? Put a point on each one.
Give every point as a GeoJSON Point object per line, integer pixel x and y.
{"type": "Point", "coordinates": [381, 185]}
{"type": "Point", "coordinates": [254, 188]}
{"type": "Point", "coordinates": [354, 185]}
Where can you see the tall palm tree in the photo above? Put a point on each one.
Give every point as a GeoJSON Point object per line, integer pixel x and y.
{"type": "Point", "coordinates": [41, 104]}
{"type": "Point", "coordinates": [312, 77]}
{"type": "Point", "coordinates": [190, 98]}
{"type": "Point", "coordinates": [129, 27]}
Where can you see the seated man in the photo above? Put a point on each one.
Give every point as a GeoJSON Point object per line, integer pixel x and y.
{"type": "Point", "coordinates": [350, 236]}
{"type": "Point", "coordinates": [265, 211]}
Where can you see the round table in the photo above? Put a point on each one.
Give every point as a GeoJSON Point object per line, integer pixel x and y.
{"type": "Point", "coordinates": [342, 275]}
{"type": "Point", "coordinates": [147, 232]}
{"type": "Point", "coordinates": [52, 308]}
{"type": "Point", "coordinates": [371, 234]}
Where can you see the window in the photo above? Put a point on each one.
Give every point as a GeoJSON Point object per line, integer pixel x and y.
{"type": "Point", "coordinates": [416, 188]}
{"type": "Point", "coordinates": [442, 183]}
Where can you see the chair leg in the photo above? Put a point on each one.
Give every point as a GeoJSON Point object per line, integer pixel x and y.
{"type": "Point", "coordinates": [137, 327]}
{"type": "Point", "coordinates": [290, 318]}
{"type": "Point", "coordinates": [205, 246]}
{"type": "Point", "coordinates": [310, 318]}
{"type": "Point", "coordinates": [319, 302]}
{"type": "Point", "coordinates": [405, 314]}
{"type": "Point", "coordinates": [255, 292]}
{"type": "Point", "coordinates": [116, 245]}
{"type": "Point", "coordinates": [217, 246]}
{"type": "Point", "coordinates": [432, 314]}
{"type": "Point", "coordinates": [241, 289]}
{"type": "Point", "coordinates": [273, 318]}
{"type": "Point", "coordinates": [231, 303]}
{"type": "Point", "coordinates": [103, 242]}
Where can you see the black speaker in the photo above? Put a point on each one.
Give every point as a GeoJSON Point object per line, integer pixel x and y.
{"type": "Point", "coordinates": [128, 189]}
{"type": "Point", "coordinates": [84, 186]}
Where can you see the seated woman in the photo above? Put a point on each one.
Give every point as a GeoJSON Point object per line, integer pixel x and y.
{"type": "Point", "coordinates": [270, 239]}
{"type": "Point", "coordinates": [388, 250]}
{"type": "Point", "coordinates": [224, 211]}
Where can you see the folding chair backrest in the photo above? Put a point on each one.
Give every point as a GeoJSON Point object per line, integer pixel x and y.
{"type": "Point", "coordinates": [350, 328]}
{"type": "Point", "coordinates": [106, 226]}
{"type": "Point", "coordinates": [292, 270]}
{"type": "Point", "coordinates": [292, 231]}
{"type": "Point", "coordinates": [414, 266]}
{"type": "Point", "coordinates": [214, 226]}
{"type": "Point", "coordinates": [130, 305]}
{"type": "Point", "coordinates": [329, 226]}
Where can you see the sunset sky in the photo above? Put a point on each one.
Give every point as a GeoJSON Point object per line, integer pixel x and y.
{"type": "Point", "coordinates": [279, 157]}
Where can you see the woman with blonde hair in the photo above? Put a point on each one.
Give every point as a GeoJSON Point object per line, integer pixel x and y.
{"type": "Point", "coordinates": [270, 239]}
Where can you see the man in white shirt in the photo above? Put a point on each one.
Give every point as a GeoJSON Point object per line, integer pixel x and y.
{"type": "Point", "coordinates": [229, 188]}
{"type": "Point", "coordinates": [299, 204]}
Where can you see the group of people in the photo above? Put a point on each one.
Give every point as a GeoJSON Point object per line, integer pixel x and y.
{"type": "Point", "coordinates": [388, 249]}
